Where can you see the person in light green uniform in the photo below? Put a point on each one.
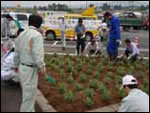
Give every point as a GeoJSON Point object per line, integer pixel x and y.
{"type": "Point", "coordinates": [137, 100]}
{"type": "Point", "coordinates": [29, 58]}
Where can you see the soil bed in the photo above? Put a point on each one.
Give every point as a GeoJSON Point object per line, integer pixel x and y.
{"type": "Point", "coordinates": [84, 84]}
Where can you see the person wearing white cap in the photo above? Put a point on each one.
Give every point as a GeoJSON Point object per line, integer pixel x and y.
{"type": "Point", "coordinates": [103, 31]}
{"type": "Point", "coordinates": [137, 100]}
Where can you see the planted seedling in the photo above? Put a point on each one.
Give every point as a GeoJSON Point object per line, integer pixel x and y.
{"type": "Point", "coordinates": [93, 83]}
{"type": "Point", "coordinates": [57, 69]}
{"type": "Point", "coordinates": [69, 68]}
{"type": "Point", "coordinates": [106, 95]}
{"type": "Point", "coordinates": [89, 92]}
{"type": "Point", "coordinates": [79, 87]}
{"type": "Point", "coordinates": [97, 75]}
{"type": "Point", "coordinates": [62, 74]}
{"type": "Point", "coordinates": [101, 68]}
{"type": "Point", "coordinates": [69, 96]}
{"type": "Point", "coordinates": [104, 91]}
{"type": "Point", "coordinates": [62, 87]}
{"type": "Point", "coordinates": [89, 102]}
{"type": "Point", "coordinates": [122, 93]}
{"type": "Point", "coordinates": [108, 78]}
{"type": "Point", "coordinates": [70, 79]}
{"type": "Point", "coordinates": [82, 78]}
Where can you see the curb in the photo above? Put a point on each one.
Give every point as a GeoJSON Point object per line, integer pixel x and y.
{"type": "Point", "coordinates": [43, 103]}
{"type": "Point", "coordinates": [45, 107]}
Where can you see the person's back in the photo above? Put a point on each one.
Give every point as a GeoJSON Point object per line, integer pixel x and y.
{"type": "Point", "coordinates": [114, 28]}
{"type": "Point", "coordinates": [136, 101]}
{"type": "Point", "coordinates": [23, 45]}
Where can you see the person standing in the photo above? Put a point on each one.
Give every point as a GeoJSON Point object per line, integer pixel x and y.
{"type": "Point", "coordinates": [29, 57]}
{"type": "Point", "coordinates": [63, 28]}
{"type": "Point", "coordinates": [137, 100]}
{"type": "Point", "coordinates": [80, 31]}
{"type": "Point", "coordinates": [114, 36]}
{"type": "Point", "coordinates": [5, 26]}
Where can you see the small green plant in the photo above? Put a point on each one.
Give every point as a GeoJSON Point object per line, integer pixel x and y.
{"type": "Point", "coordinates": [69, 96]}
{"type": "Point", "coordinates": [107, 79]}
{"type": "Point", "coordinates": [97, 75]}
{"type": "Point", "coordinates": [62, 74]}
{"type": "Point", "coordinates": [93, 83]}
{"type": "Point", "coordinates": [57, 68]}
{"type": "Point", "coordinates": [118, 79]}
{"type": "Point", "coordinates": [120, 69]}
{"type": "Point", "coordinates": [104, 91]}
{"type": "Point", "coordinates": [122, 93]}
{"type": "Point", "coordinates": [89, 92]}
{"type": "Point", "coordinates": [89, 72]}
{"type": "Point", "coordinates": [101, 68]}
{"type": "Point", "coordinates": [106, 95]}
{"type": "Point", "coordinates": [79, 87]}
{"type": "Point", "coordinates": [62, 87]}
{"type": "Point", "coordinates": [82, 78]}
{"type": "Point", "coordinates": [89, 102]}
{"type": "Point", "coordinates": [69, 68]}
{"type": "Point", "coordinates": [70, 79]}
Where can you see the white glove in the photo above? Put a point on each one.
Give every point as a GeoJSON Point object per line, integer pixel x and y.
{"type": "Point", "coordinates": [129, 57]}
{"type": "Point", "coordinates": [119, 41]}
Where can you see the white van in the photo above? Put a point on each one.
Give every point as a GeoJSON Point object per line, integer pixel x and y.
{"type": "Point", "coordinates": [21, 17]}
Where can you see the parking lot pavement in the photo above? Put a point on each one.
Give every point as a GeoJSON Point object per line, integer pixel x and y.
{"type": "Point", "coordinates": [11, 98]}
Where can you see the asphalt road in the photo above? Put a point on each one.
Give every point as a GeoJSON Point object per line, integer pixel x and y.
{"type": "Point", "coordinates": [11, 98]}
{"type": "Point", "coordinates": [55, 46]}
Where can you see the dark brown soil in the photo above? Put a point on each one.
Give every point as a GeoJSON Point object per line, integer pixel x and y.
{"type": "Point", "coordinates": [139, 70]}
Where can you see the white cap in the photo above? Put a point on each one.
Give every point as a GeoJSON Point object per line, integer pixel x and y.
{"type": "Point", "coordinates": [129, 80]}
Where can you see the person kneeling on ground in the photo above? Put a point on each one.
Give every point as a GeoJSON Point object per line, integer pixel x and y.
{"type": "Point", "coordinates": [137, 100]}
{"type": "Point", "coordinates": [92, 48]}
{"type": "Point", "coordinates": [132, 52]}
{"type": "Point", "coordinates": [8, 73]}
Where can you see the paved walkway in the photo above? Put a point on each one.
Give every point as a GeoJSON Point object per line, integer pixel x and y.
{"type": "Point", "coordinates": [11, 98]}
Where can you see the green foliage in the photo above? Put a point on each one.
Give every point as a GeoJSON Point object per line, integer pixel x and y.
{"type": "Point", "coordinates": [79, 87]}
{"type": "Point", "coordinates": [70, 79]}
{"type": "Point", "coordinates": [79, 67]}
{"type": "Point", "coordinates": [97, 75]}
{"type": "Point", "coordinates": [69, 68]}
{"type": "Point", "coordinates": [118, 79]}
{"type": "Point", "coordinates": [89, 102]}
{"type": "Point", "coordinates": [57, 68]}
{"type": "Point", "coordinates": [122, 93]}
{"type": "Point", "coordinates": [93, 83]}
{"type": "Point", "coordinates": [69, 96]}
{"type": "Point", "coordinates": [89, 92]}
{"type": "Point", "coordinates": [108, 78]}
{"type": "Point", "coordinates": [83, 78]}
{"type": "Point", "coordinates": [62, 74]}
{"type": "Point", "coordinates": [101, 68]}
{"type": "Point", "coordinates": [104, 91]}
{"type": "Point", "coordinates": [120, 70]}
{"type": "Point", "coordinates": [62, 87]}
{"type": "Point", "coordinates": [89, 73]}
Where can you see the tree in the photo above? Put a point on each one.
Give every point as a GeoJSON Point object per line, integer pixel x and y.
{"type": "Point", "coordinates": [105, 6]}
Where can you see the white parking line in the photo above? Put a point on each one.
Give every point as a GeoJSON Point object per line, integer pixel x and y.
{"type": "Point", "coordinates": [55, 43]}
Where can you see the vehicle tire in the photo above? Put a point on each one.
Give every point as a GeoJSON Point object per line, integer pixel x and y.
{"type": "Point", "coordinates": [50, 35]}
{"type": "Point", "coordinates": [88, 36]}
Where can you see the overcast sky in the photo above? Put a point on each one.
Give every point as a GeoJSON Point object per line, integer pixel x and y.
{"type": "Point", "coordinates": [73, 3]}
